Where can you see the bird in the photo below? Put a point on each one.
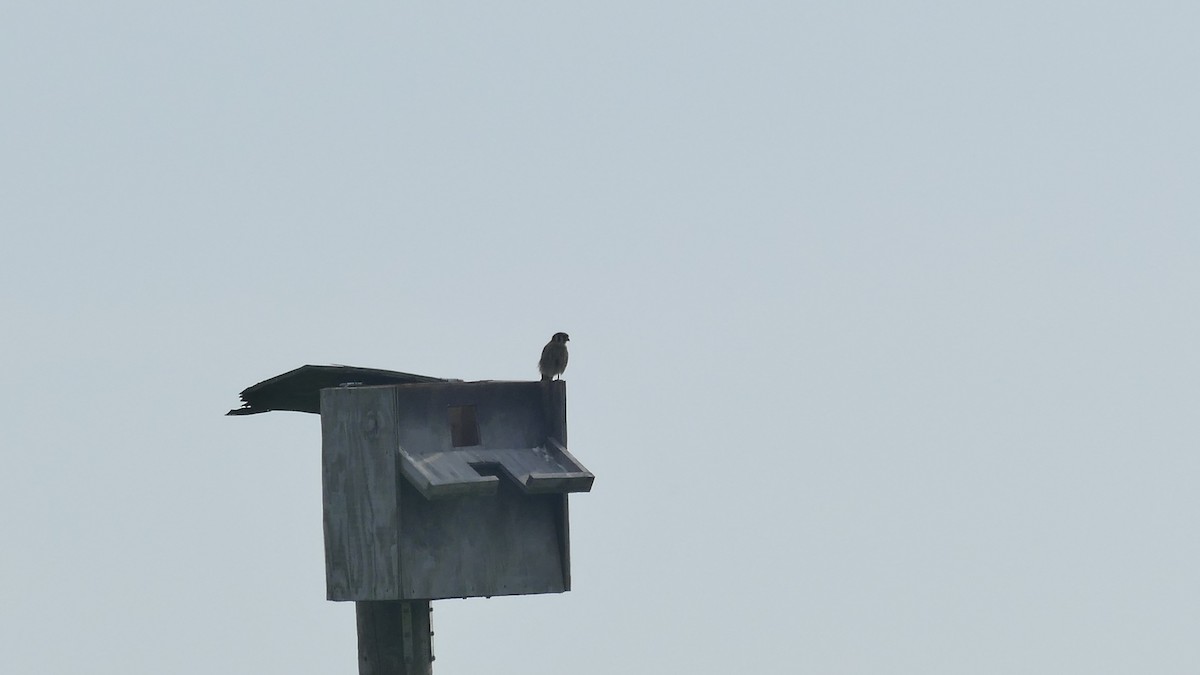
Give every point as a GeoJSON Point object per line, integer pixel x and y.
{"type": "Point", "coordinates": [554, 357]}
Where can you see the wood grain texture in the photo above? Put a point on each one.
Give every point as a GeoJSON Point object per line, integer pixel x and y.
{"type": "Point", "coordinates": [394, 638]}
{"type": "Point", "coordinates": [508, 543]}
{"type": "Point", "coordinates": [522, 426]}
{"type": "Point", "coordinates": [360, 491]}
{"type": "Point", "coordinates": [410, 516]}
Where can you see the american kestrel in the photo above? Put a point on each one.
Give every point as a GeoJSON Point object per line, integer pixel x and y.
{"type": "Point", "coordinates": [554, 357]}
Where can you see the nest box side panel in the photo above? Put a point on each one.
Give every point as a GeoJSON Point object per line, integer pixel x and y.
{"type": "Point", "coordinates": [507, 543]}
{"type": "Point", "coordinates": [360, 492]}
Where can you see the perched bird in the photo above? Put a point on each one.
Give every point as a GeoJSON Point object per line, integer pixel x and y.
{"type": "Point", "coordinates": [554, 357]}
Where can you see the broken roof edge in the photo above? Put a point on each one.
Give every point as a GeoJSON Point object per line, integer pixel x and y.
{"type": "Point", "coordinates": [299, 390]}
{"type": "Point", "coordinates": [342, 370]}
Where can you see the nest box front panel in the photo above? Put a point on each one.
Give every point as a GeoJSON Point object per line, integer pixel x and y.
{"type": "Point", "coordinates": [506, 543]}
{"type": "Point", "coordinates": [457, 437]}
{"type": "Point", "coordinates": [446, 490]}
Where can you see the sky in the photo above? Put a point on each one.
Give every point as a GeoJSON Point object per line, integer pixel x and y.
{"type": "Point", "coordinates": [882, 315]}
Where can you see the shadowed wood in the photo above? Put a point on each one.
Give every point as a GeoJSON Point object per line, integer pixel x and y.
{"type": "Point", "coordinates": [522, 426]}
{"type": "Point", "coordinates": [508, 543]}
{"type": "Point", "coordinates": [554, 410]}
{"type": "Point", "coordinates": [300, 389]}
{"type": "Point", "coordinates": [394, 638]}
{"type": "Point", "coordinates": [408, 515]}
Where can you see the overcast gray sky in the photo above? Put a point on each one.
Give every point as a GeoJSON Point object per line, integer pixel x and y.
{"type": "Point", "coordinates": [883, 323]}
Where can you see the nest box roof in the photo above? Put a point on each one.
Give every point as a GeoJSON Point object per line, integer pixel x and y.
{"type": "Point", "coordinates": [300, 389]}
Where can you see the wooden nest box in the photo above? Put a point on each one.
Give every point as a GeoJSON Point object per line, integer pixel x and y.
{"type": "Point", "coordinates": [447, 490]}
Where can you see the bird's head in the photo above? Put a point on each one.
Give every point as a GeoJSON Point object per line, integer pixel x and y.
{"type": "Point", "coordinates": [560, 337]}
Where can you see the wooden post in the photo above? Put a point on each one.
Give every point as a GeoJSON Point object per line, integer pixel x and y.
{"type": "Point", "coordinates": [394, 637]}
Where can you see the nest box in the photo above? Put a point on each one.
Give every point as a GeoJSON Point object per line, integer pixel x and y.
{"type": "Point", "coordinates": [447, 490]}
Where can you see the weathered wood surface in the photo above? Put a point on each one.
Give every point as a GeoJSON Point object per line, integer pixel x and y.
{"type": "Point", "coordinates": [554, 410]}
{"type": "Point", "coordinates": [394, 638]}
{"type": "Point", "coordinates": [564, 540]}
{"type": "Point", "coordinates": [387, 540]}
{"type": "Point", "coordinates": [508, 543]}
{"type": "Point", "coordinates": [360, 492]}
{"type": "Point", "coordinates": [300, 389]}
{"type": "Point", "coordinates": [522, 430]}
